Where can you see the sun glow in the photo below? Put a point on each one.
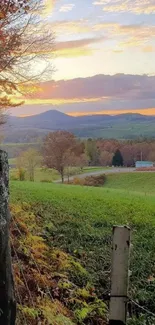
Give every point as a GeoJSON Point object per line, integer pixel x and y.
{"type": "Point", "coordinates": [146, 111]}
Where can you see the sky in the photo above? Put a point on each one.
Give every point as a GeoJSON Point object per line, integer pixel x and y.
{"type": "Point", "coordinates": [104, 58]}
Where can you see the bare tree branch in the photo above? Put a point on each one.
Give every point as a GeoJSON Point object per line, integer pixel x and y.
{"type": "Point", "coordinates": [25, 46]}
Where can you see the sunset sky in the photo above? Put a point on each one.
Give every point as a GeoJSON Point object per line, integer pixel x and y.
{"type": "Point", "coordinates": [104, 58]}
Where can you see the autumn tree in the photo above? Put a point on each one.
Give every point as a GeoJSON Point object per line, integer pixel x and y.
{"type": "Point", "coordinates": [70, 162]}
{"type": "Point", "coordinates": [129, 154]}
{"type": "Point", "coordinates": [23, 49]}
{"type": "Point", "coordinates": [75, 162]}
{"type": "Point", "coordinates": [117, 159]}
{"type": "Point", "coordinates": [92, 152]}
{"type": "Point", "coordinates": [20, 167]}
{"type": "Point", "coordinates": [151, 156]}
{"type": "Point", "coordinates": [60, 150]}
{"type": "Point", "coordinates": [108, 145]}
{"type": "Point", "coordinates": [24, 45]}
{"type": "Point", "coordinates": [105, 158]}
{"type": "Point", "coordinates": [30, 160]}
{"type": "Point", "coordinates": [82, 161]}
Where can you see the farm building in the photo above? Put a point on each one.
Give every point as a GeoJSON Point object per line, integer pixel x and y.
{"type": "Point", "coordinates": [143, 164]}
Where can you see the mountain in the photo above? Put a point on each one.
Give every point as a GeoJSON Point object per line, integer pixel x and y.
{"type": "Point", "coordinates": [122, 126]}
{"type": "Point", "coordinates": [52, 119]}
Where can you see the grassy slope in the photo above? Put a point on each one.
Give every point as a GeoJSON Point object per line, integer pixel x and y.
{"type": "Point", "coordinates": [69, 198]}
{"type": "Point", "coordinates": [132, 182]}
{"type": "Point", "coordinates": [79, 220]}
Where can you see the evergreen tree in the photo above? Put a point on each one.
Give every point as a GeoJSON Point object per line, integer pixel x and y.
{"type": "Point", "coordinates": [117, 159]}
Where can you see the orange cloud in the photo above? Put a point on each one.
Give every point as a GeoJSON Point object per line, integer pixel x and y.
{"type": "Point", "coordinates": [73, 52]}
{"type": "Point", "coordinates": [148, 49]}
{"type": "Point", "coordinates": [147, 111]}
{"type": "Point", "coordinates": [94, 95]}
{"type": "Point", "coordinates": [117, 92]}
{"type": "Point", "coordinates": [76, 48]}
{"type": "Point", "coordinates": [61, 101]}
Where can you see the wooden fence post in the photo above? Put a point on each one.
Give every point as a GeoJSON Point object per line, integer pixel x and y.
{"type": "Point", "coordinates": [7, 298]}
{"type": "Point", "coordinates": [119, 275]}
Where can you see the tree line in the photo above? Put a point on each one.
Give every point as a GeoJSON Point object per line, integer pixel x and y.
{"type": "Point", "coordinates": [63, 151]}
{"type": "Point", "coordinates": [130, 150]}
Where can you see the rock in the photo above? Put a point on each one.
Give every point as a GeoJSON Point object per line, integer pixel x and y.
{"type": "Point", "coordinates": [7, 295]}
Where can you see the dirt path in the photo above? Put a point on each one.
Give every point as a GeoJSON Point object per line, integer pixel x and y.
{"type": "Point", "coordinates": [99, 172]}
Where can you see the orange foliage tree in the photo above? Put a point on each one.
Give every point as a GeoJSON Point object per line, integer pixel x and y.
{"type": "Point", "coordinates": [23, 45]}
{"type": "Point", "coordinates": [60, 150]}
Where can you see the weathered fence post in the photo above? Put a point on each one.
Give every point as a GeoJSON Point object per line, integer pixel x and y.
{"type": "Point", "coordinates": [119, 275]}
{"type": "Point", "coordinates": [7, 298]}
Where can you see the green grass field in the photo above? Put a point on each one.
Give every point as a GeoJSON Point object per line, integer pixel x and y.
{"type": "Point", "coordinates": [79, 220]}
{"type": "Point", "coordinates": [93, 169]}
{"type": "Point", "coordinates": [41, 175]}
{"type": "Point", "coordinates": [132, 182]}
{"type": "Point", "coordinates": [50, 175]}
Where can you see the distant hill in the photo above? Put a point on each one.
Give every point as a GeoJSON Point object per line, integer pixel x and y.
{"type": "Point", "coordinates": [52, 119]}
{"type": "Point", "coordinates": [122, 126]}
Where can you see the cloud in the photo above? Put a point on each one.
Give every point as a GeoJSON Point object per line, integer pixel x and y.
{"type": "Point", "coordinates": [97, 94]}
{"type": "Point", "coordinates": [148, 49]}
{"type": "Point", "coordinates": [104, 26]}
{"type": "Point", "coordinates": [127, 35]}
{"type": "Point", "coordinates": [117, 87]}
{"type": "Point", "coordinates": [134, 6]}
{"type": "Point", "coordinates": [76, 48]}
{"type": "Point", "coordinates": [131, 35]}
{"type": "Point", "coordinates": [67, 7]}
{"type": "Point", "coordinates": [74, 52]}
{"type": "Point", "coordinates": [72, 48]}
{"type": "Point", "coordinates": [103, 2]}
{"type": "Point", "coordinates": [117, 51]}
{"type": "Point", "coordinates": [62, 101]}
{"type": "Point", "coordinates": [77, 109]}
{"type": "Point", "coordinates": [77, 43]}
{"type": "Point", "coordinates": [145, 111]}
{"type": "Point", "coordinates": [71, 27]}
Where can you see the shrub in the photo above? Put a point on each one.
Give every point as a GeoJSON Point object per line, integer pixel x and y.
{"type": "Point", "coordinates": [94, 180]}
{"type": "Point", "coordinates": [21, 174]}
{"type": "Point", "coordinates": [78, 181]}
{"type": "Point", "coordinates": [145, 169]}
{"type": "Point", "coordinates": [14, 177]}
